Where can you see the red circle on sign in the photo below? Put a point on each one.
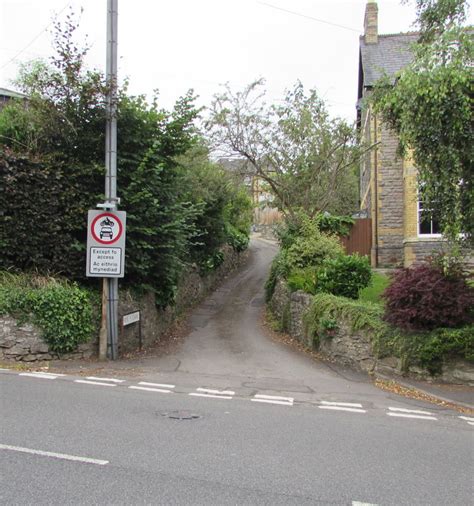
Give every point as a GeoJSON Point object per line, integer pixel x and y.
{"type": "Point", "coordinates": [119, 223]}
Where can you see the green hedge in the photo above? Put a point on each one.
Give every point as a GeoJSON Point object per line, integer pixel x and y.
{"type": "Point", "coordinates": [61, 309]}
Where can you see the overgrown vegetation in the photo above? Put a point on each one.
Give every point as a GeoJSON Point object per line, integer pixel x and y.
{"type": "Point", "coordinates": [430, 108]}
{"type": "Point", "coordinates": [181, 207]}
{"type": "Point", "coordinates": [373, 292]}
{"type": "Point", "coordinates": [61, 309]}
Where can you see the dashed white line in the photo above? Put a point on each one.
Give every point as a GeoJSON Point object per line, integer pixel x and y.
{"type": "Point", "coordinates": [150, 389]}
{"type": "Point", "coordinates": [42, 375]}
{"type": "Point", "coordinates": [342, 408]}
{"type": "Point", "coordinates": [411, 413]}
{"type": "Point", "coordinates": [95, 383]}
{"type": "Point", "coordinates": [344, 404]}
{"type": "Point", "coordinates": [414, 411]}
{"type": "Point", "coordinates": [357, 503]}
{"type": "Point", "coordinates": [112, 380]}
{"type": "Point", "coordinates": [406, 415]}
{"type": "Point", "coordinates": [213, 396]}
{"type": "Point", "coordinates": [61, 456]}
{"type": "Point", "coordinates": [159, 385]}
{"type": "Point", "coordinates": [217, 392]}
{"type": "Point", "coordinates": [467, 418]}
{"type": "Point", "coordinates": [273, 399]}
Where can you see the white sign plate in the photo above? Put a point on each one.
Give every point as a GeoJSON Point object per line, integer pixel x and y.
{"type": "Point", "coordinates": [106, 244]}
{"type": "Point", "coordinates": [129, 318]}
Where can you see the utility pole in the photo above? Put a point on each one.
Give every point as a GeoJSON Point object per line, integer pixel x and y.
{"type": "Point", "coordinates": [110, 285]}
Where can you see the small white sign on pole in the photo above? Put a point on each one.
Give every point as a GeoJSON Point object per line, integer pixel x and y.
{"type": "Point", "coordinates": [130, 318]}
{"type": "Point", "coordinates": [106, 244]}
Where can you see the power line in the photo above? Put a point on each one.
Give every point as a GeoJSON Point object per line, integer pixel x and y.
{"type": "Point", "coordinates": [309, 17]}
{"type": "Point", "coordinates": [33, 40]}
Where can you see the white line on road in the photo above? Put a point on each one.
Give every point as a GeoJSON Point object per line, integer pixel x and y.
{"type": "Point", "coordinates": [268, 401]}
{"type": "Point", "coordinates": [414, 411]}
{"type": "Point", "coordinates": [470, 423]}
{"type": "Point", "coordinates": [62, 456]}
{"type": "Point", "coordinates": [341, 408]}
{"type": "Point", "coordinates": [210, 395]}
{"type": "Point", "coordinates": [217, 392]}
{"type": "Point", "coordinates": [357, 503]}
{"type": "Point", "coordinates": [150, 389]}
{"type": "Point", "coordinates": [39, 375]}
{"type": "Point", "coordinates": [273, 399]}
{"type": "Point", "coordinates": [345, 404]}
{"type": "Point", "coordinates": [95, 383]}
{"type": "Point", "coordinates": [112, 380]}
{"type": "Point", "coordinates": [467, 418]}
{"type": "Point", "coordinates": [406, 415]}
{"type": "Point", "coordinates": [159, 385]}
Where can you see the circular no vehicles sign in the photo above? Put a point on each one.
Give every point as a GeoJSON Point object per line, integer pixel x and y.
{"type": "Point", "coordinates": [106, 228]}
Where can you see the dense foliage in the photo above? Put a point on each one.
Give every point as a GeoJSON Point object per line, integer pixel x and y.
{"type": "Point", "coordinates": [51, 163]}
{"type": "Point", "coordinates": [430, 108]}
{"type": "Point", "coordinates": [423, 297]}
{"type": "Point", "coordinates": [62, 310]}
{"type": "Point", "coordinates": [345, 275]}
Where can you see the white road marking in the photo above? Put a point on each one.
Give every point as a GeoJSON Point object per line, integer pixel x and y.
{"type": "Point", "coordinates": [150, 389]}
{"type": "Point", "coordinates": [273, 399]}
{"type": "Point", "coordinates": [406, 415]}
{"type": "Point", "coordinates": [357, 503]}
{"type": "Point", "coordinates": [159, 385]}
{"type": "Point", "coordinates": [2, 369]}
{"type": "Point", "coordinates": [470, 423]}
{"type": "Point", "coordinates": [414, 411]}
{"type": "Point", "coordinates": [341, 408]}
{"type": "Point", "coordinates": [112, 380]}
{"type": "Point", "coordinates": [95, 383]}
{"type": "Point", "coordinates": [345, 404]}
{"type": "Point", "coordinates": [217, 392]}
{"type": "Point", "coordinates": [38, 375]}
{"type": "Point", "coordinates": [62, 456]}
{"type": "Point", "coordinates": [467, 418]}
{"type": "Point", "coordinates": [210, 395]}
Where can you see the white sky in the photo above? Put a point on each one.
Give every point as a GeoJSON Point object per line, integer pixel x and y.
{"type": "Point", "coordinates": [174, 45]}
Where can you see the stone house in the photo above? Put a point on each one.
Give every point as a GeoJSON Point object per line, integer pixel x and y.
{"type": "Point", "coordinates": [402, 231]}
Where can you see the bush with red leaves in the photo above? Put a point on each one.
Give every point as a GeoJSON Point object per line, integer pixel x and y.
{"type": "Point", "coordinates": [424, 298]}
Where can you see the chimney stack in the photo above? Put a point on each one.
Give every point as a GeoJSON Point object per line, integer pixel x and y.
{"type": "Point", "coordinates": [371, 22]}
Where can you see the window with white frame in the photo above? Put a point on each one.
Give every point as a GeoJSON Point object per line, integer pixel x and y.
{"type": "Point", "coordinates": [428, 224]}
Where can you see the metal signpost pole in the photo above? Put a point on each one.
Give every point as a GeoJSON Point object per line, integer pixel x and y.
{"type": "Point", "coordinates": [111, 284]}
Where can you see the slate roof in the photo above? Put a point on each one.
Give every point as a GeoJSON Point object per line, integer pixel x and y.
{"type": "Point", "coordinates": [388, 56]}
{"type": "Point", "coordinates": [11, 94]}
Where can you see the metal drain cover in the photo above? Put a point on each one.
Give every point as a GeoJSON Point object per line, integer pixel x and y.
{"type": "Point", "coordinates": [181, 414]}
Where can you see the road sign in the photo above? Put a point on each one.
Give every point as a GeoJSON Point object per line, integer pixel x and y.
{"type": "Point", "coordinates": [129, 318]}
{"type": "Point", "coordinates": [106, 244]}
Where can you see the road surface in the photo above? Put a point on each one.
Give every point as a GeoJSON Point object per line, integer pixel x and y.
{"type": "Point", "coordinates": [232, 417]}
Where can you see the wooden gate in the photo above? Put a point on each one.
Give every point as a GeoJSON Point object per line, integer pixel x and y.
{"type": "Point", "coordinates": [360, 238]}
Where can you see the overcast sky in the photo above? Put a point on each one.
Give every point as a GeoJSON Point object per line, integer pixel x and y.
{"type": "Point", "coordinates": [174, 45]}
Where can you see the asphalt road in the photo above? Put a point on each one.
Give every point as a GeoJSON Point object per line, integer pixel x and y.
{"type": "Point", "coordinates": [231, 418]}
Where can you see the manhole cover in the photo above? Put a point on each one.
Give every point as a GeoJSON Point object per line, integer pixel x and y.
{"type": "Point", "coordinates": [181, 415]}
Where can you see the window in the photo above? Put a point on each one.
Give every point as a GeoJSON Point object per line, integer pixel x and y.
{"type": "Point", "coordinates": [428, 224]}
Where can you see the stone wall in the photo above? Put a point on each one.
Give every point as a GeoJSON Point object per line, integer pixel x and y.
{"type": "Point", "coordinates": [23, 342]}
{"type": "Point", "coordinates": [353, 348]}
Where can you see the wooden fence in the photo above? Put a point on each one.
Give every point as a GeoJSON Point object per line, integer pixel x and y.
{"type": "Point", "coordinates": [360, 238]}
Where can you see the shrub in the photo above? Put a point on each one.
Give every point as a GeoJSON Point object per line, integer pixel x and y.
{"type": "Point", "coordinates": [423, 298]}
{"type": "Point", "coordinates": [278, 269]}
{"type": "Point", "coordinates": [62, 310]}
{"type": "Point", "coordinates": [303, 279]}
{"type": "Point", "coordinates": [238, 240]}
{"type": "Point", "coordinates": [339, 225]}
{"type": "Point", "coordinates": [345, 275]}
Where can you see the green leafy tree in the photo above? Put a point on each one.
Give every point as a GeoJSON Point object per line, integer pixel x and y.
{"type": "Point", "coordinates": [308, 159]}
{"type": "Point", "coordinates": [430, 108]}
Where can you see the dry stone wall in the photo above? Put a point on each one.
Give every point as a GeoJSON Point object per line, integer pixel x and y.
{"type": "Point", "coordinates": [23, 342]}
{"type": "Point", "coordinates": [349, 347]}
